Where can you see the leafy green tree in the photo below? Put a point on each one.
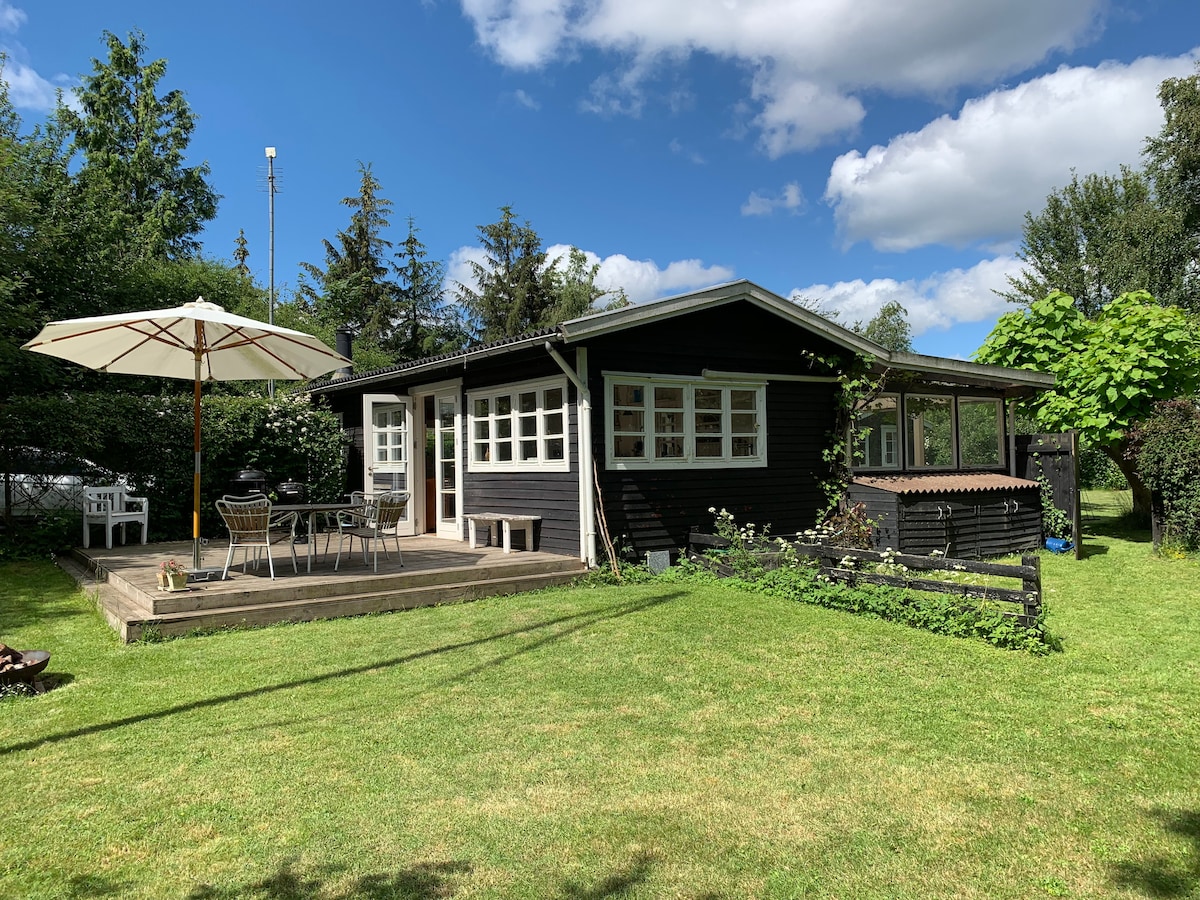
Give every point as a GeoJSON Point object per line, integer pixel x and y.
{"type": "Point", "coordinates": [1173, 156]}
{"type": "Point", "coordinates": [1110, 370]}
{"type": "Point", "coordinates": [514, 289]}
{"type": "Point", "coordinates": [888, 328]}
{"type": "Point", "coordinates": [1102, 236]}
{"type": "Point", "coordinates": [572, 282]}
{"type": "Point", "coordinates": [354, 289]}
{"type": "Point", "coordinates": [133, 143]}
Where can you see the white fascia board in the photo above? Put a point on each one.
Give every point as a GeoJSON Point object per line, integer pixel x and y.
{"type": "Point", "coordinates": [940, 365]}
{"type": "Point", "coordinates": [719, 295]}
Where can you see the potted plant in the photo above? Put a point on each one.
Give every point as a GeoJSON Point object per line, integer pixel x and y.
{"type": "Point", "coordinates": [172, 576]}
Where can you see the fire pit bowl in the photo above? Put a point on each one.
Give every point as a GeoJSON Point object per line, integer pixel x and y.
{"type": "Point", "coordinates": [32, 662]}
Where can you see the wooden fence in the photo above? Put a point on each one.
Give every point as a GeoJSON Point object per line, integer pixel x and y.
{"type": "Point", "coordinates": [831, 562]}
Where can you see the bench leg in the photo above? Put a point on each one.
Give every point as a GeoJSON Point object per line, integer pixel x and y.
{"type": "Point", "coordinates": [472, 533]}
{"type": "Point", "coordinates": [528, 535]}
{"type": "Point", "coordinates": [507, 536]}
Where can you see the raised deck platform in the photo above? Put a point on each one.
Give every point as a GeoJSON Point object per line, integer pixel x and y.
{"type": "Point", "coordinates": [434, 572]}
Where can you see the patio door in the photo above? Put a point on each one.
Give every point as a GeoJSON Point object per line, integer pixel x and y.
{"type": "Point", "coordinates": [387, 450]}
{"type": "Point", "coordinates": [441, 416]}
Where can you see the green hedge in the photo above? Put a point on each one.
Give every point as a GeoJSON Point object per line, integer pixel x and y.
{"type": "Point", "coordinates": [148, 440]}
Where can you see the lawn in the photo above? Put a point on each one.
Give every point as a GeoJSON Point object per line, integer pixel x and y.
{"type": "Point", "coordinates": [660, 740]}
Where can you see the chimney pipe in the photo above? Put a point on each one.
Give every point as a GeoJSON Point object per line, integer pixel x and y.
{"type": "Point", "coordinates": [345, 347]}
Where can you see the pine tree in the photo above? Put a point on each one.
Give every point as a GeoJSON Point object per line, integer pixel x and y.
{"type": "Point", "coordinates": [133, 141]}
{"type": "Point", "coordinates": [514, 290]}
{"type": "Point", "coordinates": [354, 290]}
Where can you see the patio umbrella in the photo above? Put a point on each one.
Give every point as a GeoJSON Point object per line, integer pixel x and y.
{"type": "Point", "coordinates": [198, 341]}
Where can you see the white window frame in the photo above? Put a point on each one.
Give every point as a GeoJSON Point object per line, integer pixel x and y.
{"type": "Point", "coordinates": [540, 415]}
{"type": "Point", "coordinates": [688, 458]}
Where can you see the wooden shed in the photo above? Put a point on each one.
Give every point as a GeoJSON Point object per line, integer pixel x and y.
{"type": "Point", "coordinates": [965, 515]}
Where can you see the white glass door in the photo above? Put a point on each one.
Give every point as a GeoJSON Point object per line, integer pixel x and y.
{"type": "Point", "coordinates": [387, 443]}
{"type": "Point", "coordinates": [446, 480]}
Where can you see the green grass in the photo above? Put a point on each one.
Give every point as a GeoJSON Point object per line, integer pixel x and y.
{"type": "Point", "coordinates": [661, 740]}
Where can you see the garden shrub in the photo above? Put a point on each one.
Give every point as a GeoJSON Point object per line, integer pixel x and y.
{"type": "Point", "coordinates": [148, 440]}
{"type": "Point", "coordinates": [773, 567]}
{"type": "Point", "coordinates": [1166, 448]}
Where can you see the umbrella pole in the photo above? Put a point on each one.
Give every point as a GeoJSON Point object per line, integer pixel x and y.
{"type": "Point", "coordinates": [196, 453]}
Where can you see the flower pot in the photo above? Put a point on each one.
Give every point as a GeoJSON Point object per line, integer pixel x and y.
{"type": "Point", "coordinates": [177, 581]}
{"type": "Point", "coordinates": [162, 581]}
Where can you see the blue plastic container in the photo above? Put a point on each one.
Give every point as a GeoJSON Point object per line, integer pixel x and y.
{"type": "Point", "coordinates": [1059, 545]}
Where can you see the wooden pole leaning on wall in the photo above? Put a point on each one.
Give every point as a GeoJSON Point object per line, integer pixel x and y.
{"type": "Point", "coordinates": [609, 550]}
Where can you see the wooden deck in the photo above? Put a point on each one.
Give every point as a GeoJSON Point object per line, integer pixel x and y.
{"type": "Point", "coordinates": [435, 571]}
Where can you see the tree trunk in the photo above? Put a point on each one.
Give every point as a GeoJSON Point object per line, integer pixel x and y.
{"type": "Point", "coordinates": [1141, 492]}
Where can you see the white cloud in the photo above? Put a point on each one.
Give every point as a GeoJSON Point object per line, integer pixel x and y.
{"type": "Point", "coordinates": [687, 153]}
{"type": "Point", "coordinates": [790, 198]}
{"type": "Point", "coordinates": [810, 59]}
{"type": "Point", "coordinates": [641, 279]}
{"type": "Point", "coordinates": [523, 98]}
{"type": "Point", "coordinates": [11, 18]}
{"type": "Point", "coordinates": [938, 302]}
{"type": "Point", "coordinates": [26, 88]}
{"type": "Point", "coordinates": [973, 177]}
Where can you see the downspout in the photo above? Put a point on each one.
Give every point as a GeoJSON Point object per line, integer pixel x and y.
{"type": "Point", "coordinates": [587, 493]}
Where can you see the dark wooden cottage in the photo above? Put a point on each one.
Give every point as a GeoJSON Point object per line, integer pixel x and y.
{"type": "Point", "coordinates": [723, 398]}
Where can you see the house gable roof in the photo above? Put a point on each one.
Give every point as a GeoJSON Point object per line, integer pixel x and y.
{"type": "Point", "coordinates": [1014, 382]}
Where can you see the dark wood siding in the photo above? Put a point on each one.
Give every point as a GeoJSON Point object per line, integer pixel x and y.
{"type": "Point", "coordinates": [973, 525]}
{"type": "Point", "coordinates": [653, 509]}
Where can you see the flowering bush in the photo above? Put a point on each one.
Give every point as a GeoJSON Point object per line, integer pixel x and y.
{"type": "Point", "coordinates": [172, 567]}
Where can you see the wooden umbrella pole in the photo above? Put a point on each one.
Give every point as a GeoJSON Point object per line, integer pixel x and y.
{"type": "Point", "coordinates": [198, 350]}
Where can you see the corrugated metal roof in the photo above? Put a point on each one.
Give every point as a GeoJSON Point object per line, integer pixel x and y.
{"type": "Point", "coordinates": [956, 482]}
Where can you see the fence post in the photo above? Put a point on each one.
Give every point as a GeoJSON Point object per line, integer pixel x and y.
{"type": "Point", "coordinates": [1032, 585]}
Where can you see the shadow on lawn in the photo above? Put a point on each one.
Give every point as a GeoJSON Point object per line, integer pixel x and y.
{"type": "Point", "coordinates": [1163, 876]}
{"type": "Point", "coordinates": [580, 620]}
{"type": "Point", "coordinates": [423, 881]}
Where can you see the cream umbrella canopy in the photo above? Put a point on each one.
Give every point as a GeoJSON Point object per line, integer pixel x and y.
{"type": "Point", "coordinates": [199, 341]}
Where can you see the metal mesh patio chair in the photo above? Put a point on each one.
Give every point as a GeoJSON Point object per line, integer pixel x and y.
{"type": "Point", "coordinates": [377, 523]}
{"type": "Point", "coordinates": [252, 527]}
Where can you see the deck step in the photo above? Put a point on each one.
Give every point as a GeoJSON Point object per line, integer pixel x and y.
{"type": "Point", "coordinates": [259, 590]}
{"type": "Point", "coordinates": [311, 608]}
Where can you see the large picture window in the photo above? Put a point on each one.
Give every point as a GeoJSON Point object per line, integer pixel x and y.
{"type": "Point", "coordinates": [980, 432]}
{"type": "Point", "coordinates": [929, 431]}
{"type": "Point", "coordinates": [659, 422]}
{"type": "Point", "coordinates": [522, 426]}
{"type": "Point", "coordinates": [877, 434]}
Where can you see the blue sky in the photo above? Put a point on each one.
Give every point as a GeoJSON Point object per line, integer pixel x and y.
{"type": "Point", "coordinates": [847, 151]}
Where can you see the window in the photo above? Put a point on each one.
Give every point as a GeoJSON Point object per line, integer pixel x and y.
{"type": "Point", "coordinates": [929, 431]}
{"type": "Point", "coordinates": [877, 434]}
{"type": "Point", "coordinates": [663, 422]}
{"type": "Point", "coordinates": [980, 432]}
{"type": "Point", "coordinates": [523, 426]}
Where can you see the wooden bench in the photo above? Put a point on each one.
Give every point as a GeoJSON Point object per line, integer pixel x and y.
{"type": "Point", "coordinates": [506, 522]}
{"type": "Point", "coordinates": [110, 507]}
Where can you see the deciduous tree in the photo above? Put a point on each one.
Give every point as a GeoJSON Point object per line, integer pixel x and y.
{"type": "Point", "coordinates": [1110, 370]}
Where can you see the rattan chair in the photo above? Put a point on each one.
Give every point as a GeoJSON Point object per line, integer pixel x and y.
{"type": "Point", "coordinates": [380, 521]}
{"type": "Point", "coordinates": [252, 527]}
